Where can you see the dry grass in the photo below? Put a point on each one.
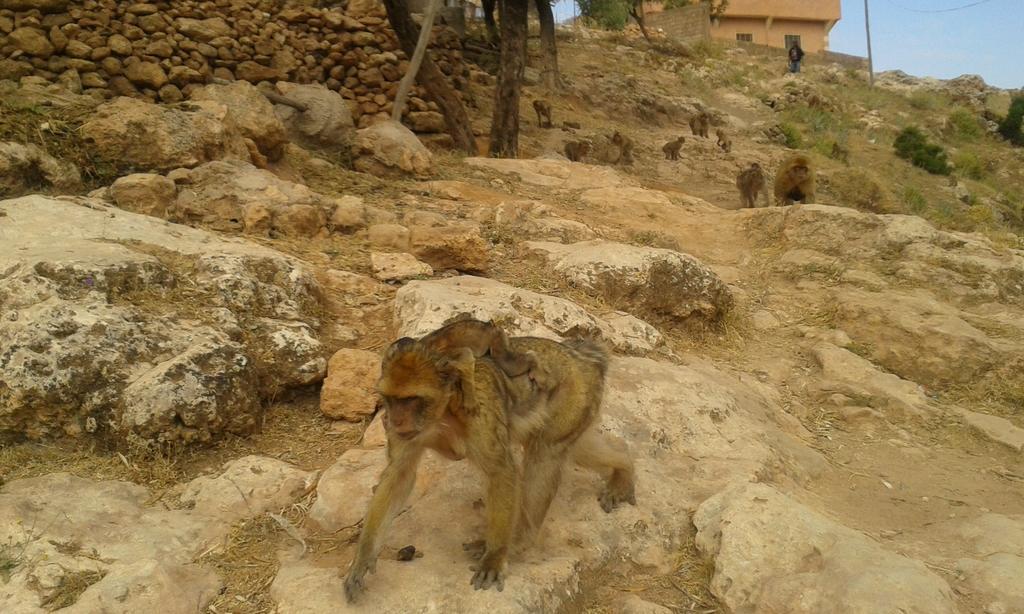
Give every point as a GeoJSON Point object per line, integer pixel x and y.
{"type": "Point", "coordinates": [71, 587]}
{"type": "Point", "coordinates": [685, 589]}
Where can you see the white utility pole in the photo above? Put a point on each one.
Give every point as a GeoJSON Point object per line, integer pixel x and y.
{"type": "Point", "coordinates": [871, 64]}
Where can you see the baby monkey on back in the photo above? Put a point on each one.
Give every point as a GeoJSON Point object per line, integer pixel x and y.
{"type": "Point", "coordinates": [468, 391]}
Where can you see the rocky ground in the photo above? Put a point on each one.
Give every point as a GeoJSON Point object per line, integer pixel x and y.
{"type": "Point", "coordinates": [824, 402]}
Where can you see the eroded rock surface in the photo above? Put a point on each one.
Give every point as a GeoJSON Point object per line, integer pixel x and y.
{"type": "Point", "coordinates": [125, 325]}
{"type": "Point", "coordinates": [131, 555]}
{"type": "Point", "coordinates": [641, 280]}
{"type": "Point", "coordinates": [774, 555]}
{"type": "Point", "coordinates": [424, 306]}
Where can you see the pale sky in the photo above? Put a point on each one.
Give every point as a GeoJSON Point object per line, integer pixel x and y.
{"type": "Point", "coordinates": [987, 39]}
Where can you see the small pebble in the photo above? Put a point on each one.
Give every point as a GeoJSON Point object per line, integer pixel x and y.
{"type": "Point", "coordinates": [407, 554]}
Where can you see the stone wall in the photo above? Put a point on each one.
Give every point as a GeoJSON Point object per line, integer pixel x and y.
{"type": "Point", "coordinates": [162, 50]}
{"type": "Point", "coordinates": [688, 23]}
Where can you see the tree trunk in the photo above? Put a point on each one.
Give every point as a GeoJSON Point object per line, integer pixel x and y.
{"type": "Point", "coordinates": [492, 27]}
{"type": "Point", "coordinates": [505, 121]}
{"type": "Point", "coordinates": [636, 11]}
{"type": "Point", "coordinates": [431, 78]}
{"type": "Point", "coordinates": [548, 52]}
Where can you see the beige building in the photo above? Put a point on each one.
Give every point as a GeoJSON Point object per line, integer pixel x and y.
{"type": "Point", "coordinates": [778, 23]}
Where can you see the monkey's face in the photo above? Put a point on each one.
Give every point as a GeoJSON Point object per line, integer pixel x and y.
{"type": "Point", "coordinates": [415, 386]}
{"type": "Point", "coordinates": [407, 417]}
{"type": "Point", "coordinates": [799, 174]}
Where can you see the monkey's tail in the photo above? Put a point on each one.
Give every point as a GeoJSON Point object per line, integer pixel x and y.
{"type": "Point", "coordinates": [590, 351]}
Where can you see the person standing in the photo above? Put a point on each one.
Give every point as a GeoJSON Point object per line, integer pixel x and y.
{"type": "Point", "coordinates": [796, 54]}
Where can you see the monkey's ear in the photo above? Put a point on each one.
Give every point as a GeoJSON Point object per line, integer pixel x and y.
{"type": "Point", "coordinates": [402, 345]}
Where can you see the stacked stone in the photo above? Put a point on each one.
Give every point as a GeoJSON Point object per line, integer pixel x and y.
{"type": "Point", "coordinates": [162, 50]}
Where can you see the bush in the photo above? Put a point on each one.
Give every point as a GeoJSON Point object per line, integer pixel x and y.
{"type": "Point", "coordinates": [609, 14]}
{"type": "Point", "coordinates": [861, 190]}
{"type": "Point", "coordinates": [911, 144]}
{"type": "Point", "coordinates": [794, 140]}
{"type": "Point", "coordinates": [969, 165]}
{"type": "Point", "coordinates": [925, 101]}
{"type": "Point", "coordinates": [964, 124]}
{"type": "Point", "coordinates": [1010, 127]}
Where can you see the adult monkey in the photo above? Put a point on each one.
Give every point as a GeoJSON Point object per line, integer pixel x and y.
{"type": "Point", "coordinates": [465, 406]}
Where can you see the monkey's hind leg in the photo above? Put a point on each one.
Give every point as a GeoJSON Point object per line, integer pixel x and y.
{"type": "Point", "coordinates": [602, 451]}
{"type": "Point", "coordinates": [542, 474]}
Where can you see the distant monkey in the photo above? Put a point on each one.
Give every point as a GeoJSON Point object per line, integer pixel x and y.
{"type": "Point", "coordinates": [840, 153]}
{"type": "Point", "coordinates": [672, 148]}
{"type": "Point", "coordinates": [625, 145]}
{"type": "Point", "coordinates": [750, 182]}
{"type": "Point", "coordinates": [543, 109]}
{"type": "Point", "coordinates": [795, 181]}
{"type": "Point", "coordinates": [575, 150]}
{"type": "Point", "coordinates": [723, 140]}
{"type": "Point", "coordinates": [700, 124]}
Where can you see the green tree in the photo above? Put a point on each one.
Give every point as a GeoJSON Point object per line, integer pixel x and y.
{"type": "Point", "coordinates": [1010, 127]}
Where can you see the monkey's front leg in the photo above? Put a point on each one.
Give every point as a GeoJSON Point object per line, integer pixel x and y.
{"type": "Point", "coordinates": [502, 507]}
{"type": "Point", "coordinates": [395, 485]}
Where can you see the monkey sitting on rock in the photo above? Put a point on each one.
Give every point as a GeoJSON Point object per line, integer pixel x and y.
{"type": "Point", "coordinates": [440, 392]}
{"type": "Point", "coordinates": [795, 181]}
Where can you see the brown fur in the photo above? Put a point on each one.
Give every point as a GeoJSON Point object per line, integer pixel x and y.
{"type": "Point", "coordinates": [750, 182]}
{"type": "Point", "coordinates": [700, 124]}
{"type": "Point", "coordinates": [625, 145]}
{"type": "Point", "coordinates": [723, 140]}
{"type": "Point", "coordinates": [543, 109]}
{"type": "Point", "coordinates": [672, 148]}
{"type": "Point", "coordinates": [840, 153]}
{"type": "Point", "coordinates": [795, 181]}
{"type": "Point", "coordinates": [468, 407]}
{"type": "Point", "coordinates": [575, 150]}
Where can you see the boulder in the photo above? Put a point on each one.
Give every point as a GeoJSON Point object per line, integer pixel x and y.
{"type": "Point", "coordinates": [388, 236]}
{"type": "Point", "coordinates": [398, 267]}
{"type": "Point", "coordinates": [638, 199]}
{"type": "Point", "coordinates": [389, 149]}
{"type": "Point", "coordinates": [424, 306]}
{"type": "Point", "coordinates": [456, 246]}
{"type": "Point", "coordinates": [127, 554]}
{"type": "Point", "coordinates": [236, 196]}
{"type": "Point", "coordinates": [325, 124]}
{"type": "Point", "coordinates": [846, 373]}
{"type": "Point", "coordinates": [203, 30]}
{"type": "Point", "coordinates": [86, 349]}
{"type": "Point", "coordinates": [145, 193]}
{"type": "Point", "coordinates": [918, 337]}
{"type": "Point", "coordinates": [773, 554]}
{"type": "Point", "coordinates": [31, 41]}
{"type": "Point", "coordinates": [246, 487]}
{"type": "Point", "coordinates": [28, 168]}
{"type": "Point", "coordinates": [252, 113]}
{"type": "Point", "coordinates": [134, 134]}
{"type": "Point", "coordinates": [146, 74]}
{"type": "Point", "coordinates": [349, 391]}
{"type": "Point", "coordinates": [641, 280]}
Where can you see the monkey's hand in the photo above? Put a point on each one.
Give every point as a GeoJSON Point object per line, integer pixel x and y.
{"type": "Point", "coordinates": [615, 494]}
{"type": "Point", "coordinates": [490, 571]}
{"type": "Point", "coordinates": [355, 581]}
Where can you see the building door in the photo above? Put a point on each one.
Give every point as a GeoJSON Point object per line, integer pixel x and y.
{"type": "Point", "coordinates": [792, 39]}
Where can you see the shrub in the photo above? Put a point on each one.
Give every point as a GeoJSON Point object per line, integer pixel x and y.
{"type": "Point", "coordinates": [1010, 127]}
{"type": "Point", "coordinates": [861, 190]}
{"type": "Point", "coordinates": [794, 140]}
{"type": "Point", "coordinates": [964, 124]}
{"type": "Point", "coordinates": [911, 144]}
{"type": "Point", "coordinates": [925, 101]}
{"type": "Point", "coordinates": [968, 164]}
{"type": "Point", "coordinates": [609, 14]}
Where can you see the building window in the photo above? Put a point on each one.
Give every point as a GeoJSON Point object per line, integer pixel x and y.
{"type": "Point", "coordinates": [792, 39]}
{"type": "Point", "coordinates": [745, 38]}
